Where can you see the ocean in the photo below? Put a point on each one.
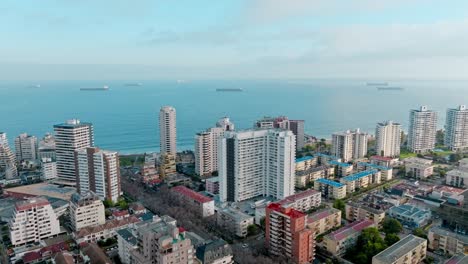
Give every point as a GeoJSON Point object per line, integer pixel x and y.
{"type": "Point", "coordinates": [125, 118]}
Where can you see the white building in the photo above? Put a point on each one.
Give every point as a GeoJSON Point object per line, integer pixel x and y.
{"type": "Point", "coordinates": [422, 130]}
{"type": "Point", "coordinates": [33, 220]}
{"type": "Point", "coordinates": [206, 147]}
{"type": "Point", "coordinates": [349, 145]}
{"type": "Point", "coordinates": [69, 137]}
{"type": "Point", "coordinates": [202, 204]}
{"type": "Point", "coordinates": [234, 221]}
{"type": "Point", "coordinates": [458, 177]}
{"type": "Point", "coordinates": [303, 201]}
{"type": "Point", "coordinates": [86, 210]}
{"type": "Point", "coordinates": [456, 128]}
{"type": "Point", "coordinates": [410, 249]}
{"type": "Point", "coordinates": [7, 158]}
{"type": "Point", "coordinates": [127, 242]}
{"type": "Point", "coordinates": [167, 130]}
{"type": "Point", "coordinates": [98, 171]}
{"type": "Point", "coordinates": [388, 139]}
{"type": "Point", "coordinates": [256, 163]}
{"type": "Point", "coordinates": [26, 147]}
{"type": "Point", "coordinates": [49, 169]}
{"type": "Point", "coordinates": [46, 147]}
{"type": "Point", "coordinates": [418, 167]}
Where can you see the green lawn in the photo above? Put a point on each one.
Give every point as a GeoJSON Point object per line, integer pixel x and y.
{"type": "Point", "coordinates": [406, 154]}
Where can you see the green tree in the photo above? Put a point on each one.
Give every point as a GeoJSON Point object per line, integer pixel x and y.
{"type": "Point", "coordinates": [428, 260]}
{"type": "Point", "coordinates": [252, 230]}
{"type": "Point", "coordinates": [391, 239]}
{"type": "Point", "coordinates": [391, 226]}
{"type": "Point", "coordinates": [340, 205]}
{"type": "Point", "coordinates": [420, 233]}
{"type": "Point", "coordinates": [369, 244]}
{"type": "Point", "coordinates": [108, 203]}
{"type": "Point", "coordinates": [455, 157]}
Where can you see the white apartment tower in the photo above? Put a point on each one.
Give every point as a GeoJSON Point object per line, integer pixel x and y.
{"type": "Point", "coordinates": [456, 128]}
{"type": "Point", "coordinates": [7, 158]}
{"type": "Point", "coordinates": [255, 163]}
{"type": "Point", "coordinates": [98, 171]}
{"type": "Point", "coordinates": [69, 137]}
{"type": "Point", "coordinates": [422, 130]}
{"type": "Point", "coordinates": [206, 147]}
{"type": "Point", "coordinates": [33, 220]}
{"type": "Point", "coordinates": [167, 130]}
{"type": "Point", "coordinates": [86, 210]}
{"type": "Point", "coordinates": [388, 139]}
{"type": "Point", "coordinates": [349, 145]}
{"type": "Point", "coordinates": [26, 147]}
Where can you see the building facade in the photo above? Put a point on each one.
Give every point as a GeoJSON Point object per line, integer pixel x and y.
{"type": "Point", "coordinates": [69, 137]}
{"type": "Point", "coordinates": [256, 163]}
{"type": "Point", "coordinates": [86, 210]}
{"type": "Point", "coordinates": [456, 128]}
{"type": "Point", "coordinates": [167, 130]}
{"type": "Point", "coordinates": [216, 252]}
{"type": "Point", "coordinates": [26, 147]}
{"type": "Point", "coordinates": [282, 122]}
{"type": "Point", "coordinates": [330, 189]}
{"type": "Point", "coordinates": [447, 241]}
{"type": "Point", "coordinates": [49, 169]}
{"type": "Point", "coordinates": [339, 241]}
{"type": "Point", "coordinates": [324, 220]}
{"type": "Point", "coordinates": [361, 180]}
{"type": "Point", "coordinates": [422, 130]}
{"type": "Point", "coordinates": [7, 158]}
{"type": "Point", "coordinates": [349, 145]}
{"type": "Point", "coordinates": [302, 201]}
{"type": "Point", "coordinates": [360, 211]}
{"type": "Point", "coordinates": [458, 177]}
{"type": "Point", "coordinates": [202, 204]}
{"type": "Point", "coordinates": [410, 249]}
{"type": "Point", "coordinates": [410, 215]}
{"type": "Point", "coordinates": [98, 171]}
{"type": "Point", "coordinates": [233, 221]}
{"type": "Point", "coordinates": [388, 139]}
{"type": "Point", "coordinates": [418, 167]}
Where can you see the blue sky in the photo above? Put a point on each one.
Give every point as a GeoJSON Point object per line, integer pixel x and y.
{"type": "Point", "coordinates": [144, 39]}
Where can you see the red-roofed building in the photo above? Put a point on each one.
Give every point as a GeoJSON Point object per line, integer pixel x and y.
{"type": "Point", "coordinates": [203, 204]}
{"type": "Point", "coordinates": [287, 235]}
{"type": "Point", "coordinates": [383, 161]}
{"type": "Point", "coordinates": [340, 240]}
{"type": "Point", "coordinates": [119, 215]}
{"type": "Point", "coordinates": [45, 253]}
{"type": "Point", "coordinates": [324, 220]}
{"type": "Point", "coordinates": [303, 201]}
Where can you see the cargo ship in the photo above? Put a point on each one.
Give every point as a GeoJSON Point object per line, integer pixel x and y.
{"type": "Point", "coordinates": [133, 84]}
{"type": "Point", "coordinates": [377, 84]}
{"type": "Point", "coordinates": [390, 88]}
{"type": "Point", "coordinates": [104, 88]}
{"type": "Point", "coordinates": [229, 90]}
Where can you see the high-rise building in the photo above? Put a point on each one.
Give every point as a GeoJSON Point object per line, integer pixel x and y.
{"type": "Point", "coordinates": [206, 147]}
{"type": "Point", "coordinates": [349, 145]}
{"type": "Point", "coordinates": [47, 147]}
{"type": "Point", "coordinates": [33, 220]}
{"type": "Point", "coordinates": [49, 169]}
{"type": "Point", "coordinates": [69, 137]}
{"type": "Point", "coordinates": [388, 139]}
{"type": "Point", "coordinates": [287, 234]}
{"type": "Point", "coordinates": [86, 210]}
{"type": "Point", "coordinates": [7, 158]}
{"type": "Point", "coordinates": [422, 130]}
{"type": "Point", "coordinates": [256, 163]}
{"type": "Point", "coordinates": [296, 126]}
{"type": "Point", "coordinates": [167, 130]}
{"type": "Point", "coordinates": [26, 147]}
{"type": "Point", "coordinates": [456, 128]}
{"type": "Point", "coordinates": [98, 171]}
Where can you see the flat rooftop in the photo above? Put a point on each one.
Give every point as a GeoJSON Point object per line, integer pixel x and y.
{"type": "Point", "coordinates": [304, 158]}
{"type": "Point", "coordinates": [42, 189]}
{"type": "Point", "coordinates": [359, 175]}
{"type": "Point", "coordinates": [330, 182]}
{"type": "Point", "coordinates": [375, 166]}
{"type": "Point", "coordinates": [339, 164]}
{"type": "Point", "coordinates": [399, 249]}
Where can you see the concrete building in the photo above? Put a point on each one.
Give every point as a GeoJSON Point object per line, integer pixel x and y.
{"type": "Point", "coordinates": [305, 163]}
{"type": "Point", "coordinates": [212, 185]}
{"type": "Point", "coordinates": [359, 211]}
{"type": "Point", "coordinates": [410, 249]}
{"type": "Point", "coordinates": [297, 127]}
{"type": "Point", "coordinates": [92, 234]}
{"type": "Point", "coordinates": [324, 220]}
{"type": "Point", "coordinates": [457, 259]}
{"type": "Point", "coordinates": [386, 173]}
{"type": "Point", "coordinates": [69, 137]}
{"type": "Point", "coordinates": [204, 205]}
{"type": "Point", "coordinates": [233, 221]}
{"type": "Point", "coordinates": [33, 220]}
{"type": "Point", "coordinates": [282, 122]}
{"type": "Point", "coordinates": [167, 165]}
{"type": "Point", "coordinates": [26, 147]}
{"type": "Point", "coordinates": [341, 169]}
{"type": "Point", "coordinates": [388, 139]}
{"type": "Point", "coordinates": [127, 242]}
{"type": "Point", "coordinates": [256, 163]}
{"type": "Point", "coordinates": [422, 130]}
{"type": "Point", "coordinates": [302, 201]}
{"type": "Point", "coordinates": [305, 177]}
{"type": "Point", "coordinates": [447, 241]}
{"type": "Point", "coordinates": [410, 215]}
{"type": "Point", "coordinates": [215, 252]}
{"type": "Point", "coordinates": [163, 242]}
{"type": "Point", "coordinates": [287, 234]}
{"type": "Point", "coordinates": [458, 177]}
{"type": "Point", "coordinates": [49, 169]}
{"type": "Point", "coordinates": [46, 148]}
{"type": "Point", "coordinates": [418, 167]}
{"type": "Point", "coordinates": [361, 180]}
{"type": "Point", "coordinates": [330, 189]}
{"type": "Point", "coordinates": [456, 128]}
{"type": "Point", "coordinates": [7, 158]}
{"type": "Point", "coordinates": [349, 145]}
{"type": "Point", "coordinates": [86, 210]}
{"type": "Point", "coordinates": [339, 241]}
{"type": "Point", "coordinates": [383, 161]}
{"type": "Point", "coordinates": [98, 171]}
{"type": "Point", "coordinates": [167, 130]}
{"type": "Point", "coordinates": [206, 147]}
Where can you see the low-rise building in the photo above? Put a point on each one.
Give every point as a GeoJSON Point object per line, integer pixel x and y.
{"type": "Point", "coordinates": [49, 169]}
{"type": "Point", "coordinates": [359, 211]}
{"type": "Point", "coordinates": [324, 220]}
{"type": "Point", "coordinates": [410, 215]}
{"type": "Point", "coordinates": [458, 259]}
{"type": "Point", "coordinates": [458, 177]}
{"type": "Point", "coordinates": [202, 204]}
{"type": "Point", "coordinates": [92, 253]}
{"type": "Point", "coordinates": [383, 161]}
{"type": "Point", "coordinates": [212, 185]}
{"type": "Point", "coordinates": [86, 210]}
{"type": "Point", "coordinates": [418, 167]}
{"type": "Point", "coordinates": [91, 234]}
{"type": "Point", "coordinates": [330, 189]}
{"type": "Point", "coordinates": [447, 241]}
{"type": "Point", "coordinates": [127, 242]}
{"type": "Point", "coordinates": [305, 163]}
{"type": "Point", "coordinates": [361, 180]}
{"type": "Point", "coordinates": [234, 221]}
{"type": "Point", "coordinates": [410, 249]}
{"type": "Point", "coordinates": [339, 241]}
{"type": "Point", "coordinates": [386, 173]}
{"type": "Point", "coordinates": [303, 178]}
{"type": "Point", "coordinates": [341, 169]}
{"type": "Point", "coordinates": [215, 252]}
{"type": "Point", "coordinates": [324, 159]}
{"type": "Point", "coordinates": [302, 201]}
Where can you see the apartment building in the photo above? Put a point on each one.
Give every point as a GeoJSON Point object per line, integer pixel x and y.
{"type": "Point", "coordinates": [233, 221]}
{"type": "Point", "coordinates": [386, 173]}
{"type": "Point", "coordinates": [48, 169]}
{"type": "Point", "coordinates": [410, 249]}
{"type": "Point", "coordinates": [349, 145]}
{"type": "Point", "coordinates": [287, 235]}
{"type": "Point", "coordinates": [212, 185]}
{"type": "Point", "coordinates": [323, 220]}
{"type": "Point", "coordinates": [337, 242]}
{"type": "Point", "coordinates": [447, 241]}
{"type": "Point", "coordinates": [167, 130]}
{"type": "Point", "coordinates": [341, 169]}
{"type": "Point", "coordinates": [86, 210]}
{"type": "Point", "coordinates": [305, 163]}
{"type": "Point", "coordinates": [7, 158]}
{"type": "Point", "coordinates": [127, 242]}
{"type": "Point", "coordinates": [422, 130]}
{"type": "Point", "coordinates": [418, 167]}
{"type": "Point", "coordinates": [330, 189]}
{"type": "Point", "coordinates": [202, 204]}
{"type": "Point", "coordinates": [46, 147]}
{"type": "Point", "coordinates": [215, 252]}
{"type": "Point", "coordinates": [282, 122]}
{"type": "Point", "coordinates": [388, 139]}
{"type": "Point", "coordinates": [410, 215]}
{"type": "Point", "coordinates": [303, 178]}
{"type": "Point", "coordinates": [359, 211]}
{"type": "Point", "coordinates": [26, 147]}
{"type": "Point", "coordinates": [458, 177]}
{"type": "Point", "coordinates": [361, 180]}
{"type": "Point", "coordinates": [302, 201]}
{"type": "Point", "coordinates": [456, 128]}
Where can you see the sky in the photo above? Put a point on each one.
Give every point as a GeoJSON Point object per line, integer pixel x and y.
{"type": "Point", "coordinates": [236, 39]}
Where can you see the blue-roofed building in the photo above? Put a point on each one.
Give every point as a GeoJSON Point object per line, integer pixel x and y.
{"type": "Point", "coordinates": [306, 163]}
{"type": "Point", "coordinates": [386, 173]}
{"type": "Point", "coordinates": [324, 159]}
{"type": "Point", "coordinates": [410, 215]}
{"type": "Point", "coordinates": [341, 169]}
{"type": "Point", "coordinates": [330, 189]}
{"type": "Point", "coordinates": [361, 180]}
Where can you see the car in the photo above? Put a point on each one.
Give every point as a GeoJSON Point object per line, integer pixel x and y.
{"type": "Point", "coordinates": [244, 245]}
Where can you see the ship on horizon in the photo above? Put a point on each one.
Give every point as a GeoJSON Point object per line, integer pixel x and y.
{"type": "Point", "coordinates": [390, 88]}
{"type": "Point", "coordinates": [104, 88]}
{"type": "Point", "coordinates": [377, 84]}
{"type": "Point", "coordinates": [229, 90]}
{"type": "Point", "coordinates": [133, 84]}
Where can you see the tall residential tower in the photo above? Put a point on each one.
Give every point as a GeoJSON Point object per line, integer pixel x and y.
{"type": "Point", "coordinates": [167, 130]}
{"type": "Point", "coordinates": [456, 128]}
{"type": "Point", "coordinates": [422, 130]}
{"type": "Point", "coordinates": [26, 147]}
{"type": "Point", "coordinates": [388, 139]}
{"type": "Point", "coordinates": [349, 145]}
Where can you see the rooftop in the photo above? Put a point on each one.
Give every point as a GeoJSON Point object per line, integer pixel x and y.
{"type": "Point", "coordinates": [458, 259]}
{"type": "Point", "coordinates": [42, 189]}
{"type": "Point", "coordinates": [299, 196]}
{"type": "Point", "coordinates": [127, 235]}
{"type": "Point", "coordinates": [304, 159]}
{"type": "Point", "coordinates": [73, 123]}
{"type": "Point", "coordinates": [409, 211]}
{"type": "Point", "coordinates": [213, 179]}
{"type": "Point", "coordinates": [381, 158]}
{"type": "Point", "coordinates": [350, 229]}
{"type": "Point", "coordinates": [399, 249]}
{"type": "Point", "coordinates": [235, 214]}
{"type": "Point", "coordinates": [320, 214]}
{"type": "Point", "coordinates": [108, 225]}
{"type": "Point", "coordinates": [191, 194]}
{"type": "Point", "coordinates": [359, 175]}
{"type": "Point", "coordinates": [31, 203]}
{"type": "Point", "coordinates": [340, 164]}
{"type": "Point", "coordinates": [330, 182]}
{"type": "Point", "coordinates": [375, 166]}
{"type": "Point", "coordinates": [292, 213]}
{"type": "Point", "coordinates": [445, 232]}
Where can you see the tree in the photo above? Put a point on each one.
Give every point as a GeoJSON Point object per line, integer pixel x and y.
{"type": "Point", "coordinates": [252, 230]}
{"type": "Point", "coordinates": [369, 244]}
{"type": "Point", "coordinates": [108, 203]}
{"type": "Point", "coordinates": [391, 239]}
{"type": "Point", "coordinates": [420, 233]}
{"type": "Point", "coordinates": [455, 157]}
{"type": "Point", "coordinates": [340, 205]}
{"type": "Point", "coordinates": [428, 260]}
{"type": "Point", "coordinates": [391, 226]}
{"type": "Point", "coordinates": [263, 222]}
